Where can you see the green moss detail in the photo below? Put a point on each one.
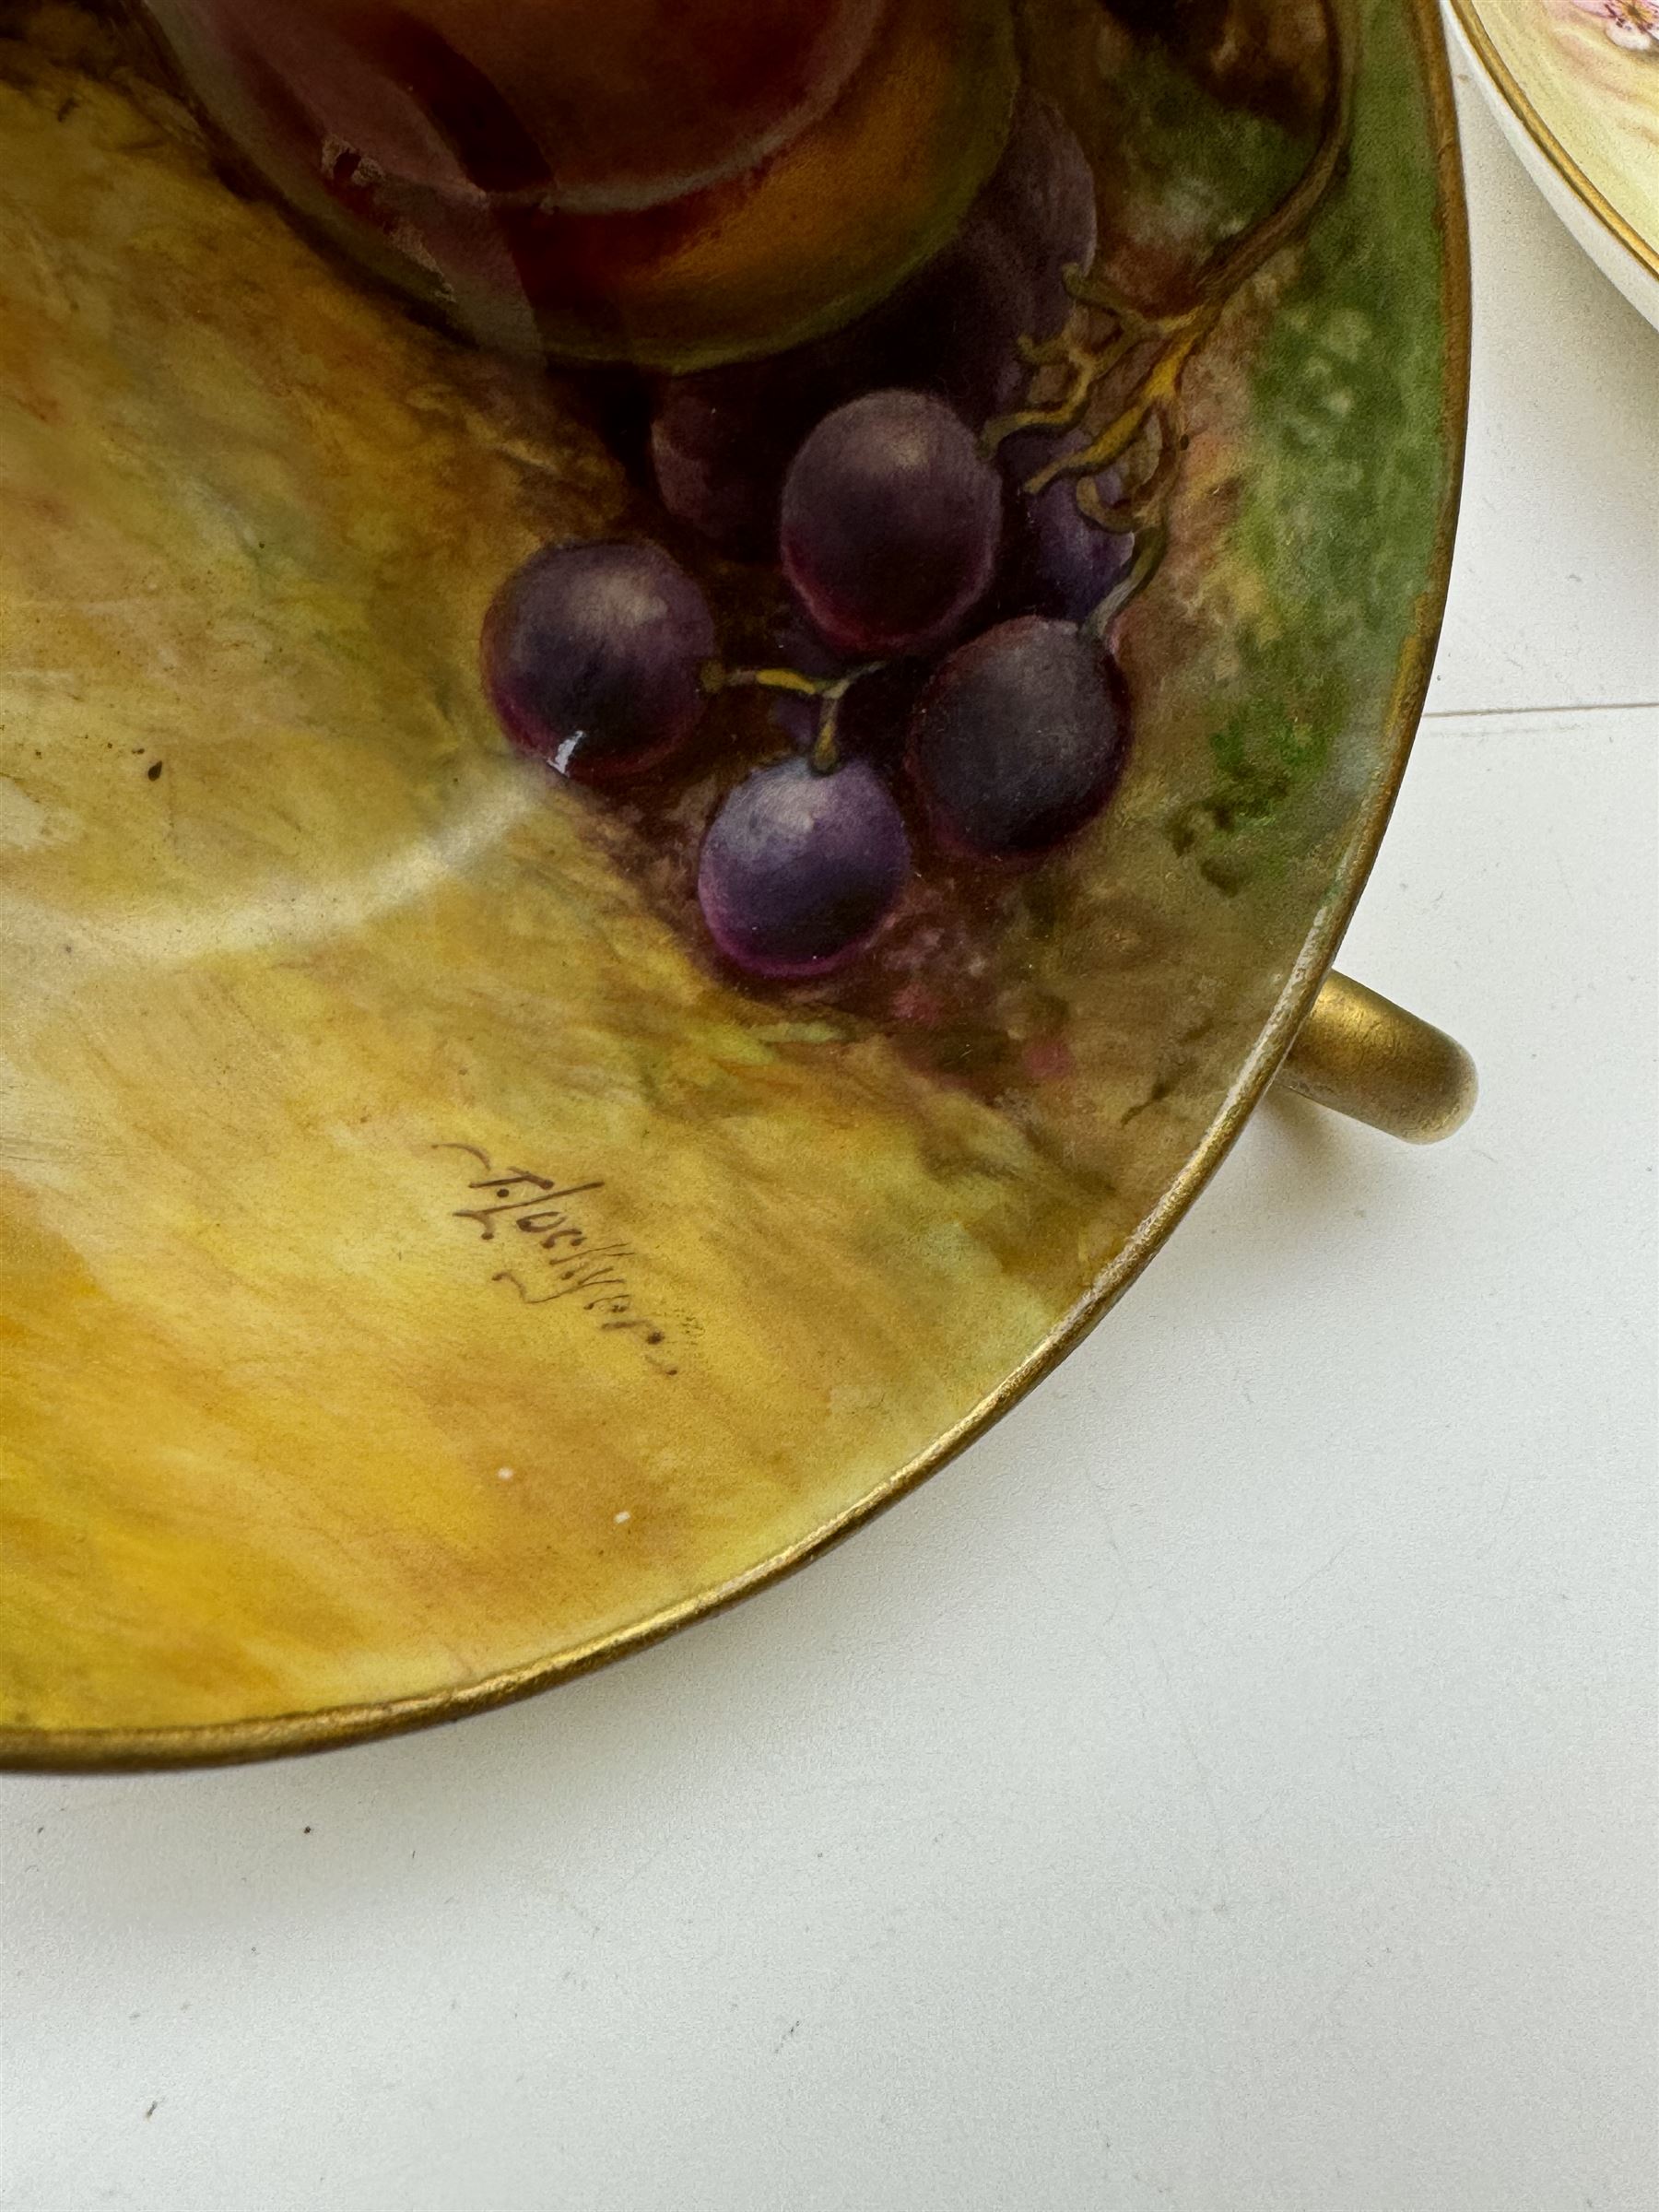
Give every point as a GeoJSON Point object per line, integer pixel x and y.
{"type": "Point", "coordinates": [1340, 484]}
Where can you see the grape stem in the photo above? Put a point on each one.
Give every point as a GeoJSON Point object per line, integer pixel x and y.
{"type": "Point", "coordinates": [1104, 331]}
{"type": "Point", "coordinates": [717, 677]}
{"type": "Point", "coordinates": [1150, 546]}
{"type": "Point", "coordinates": [829, 690]}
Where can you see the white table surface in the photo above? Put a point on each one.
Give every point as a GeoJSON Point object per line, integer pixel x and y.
{"type": "Point", "coordinates": [1230, 1788]}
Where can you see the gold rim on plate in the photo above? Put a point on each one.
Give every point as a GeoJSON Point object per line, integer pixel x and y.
{"type": "Point", "coordinates": [1582, 187]}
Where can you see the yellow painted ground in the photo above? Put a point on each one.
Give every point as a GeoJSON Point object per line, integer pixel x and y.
{"type": "Point", "coordinates": [278, 1431]}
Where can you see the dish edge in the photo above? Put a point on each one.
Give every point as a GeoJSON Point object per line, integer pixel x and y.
{"type": "Point", "coordinates": [230, 1743]}
{"type": "Point", "coordinates": [1548, 147]}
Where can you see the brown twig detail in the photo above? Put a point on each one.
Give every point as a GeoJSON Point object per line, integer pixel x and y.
{"type": "Point", "coordinates": [829, 690]}
{"type": "Point", "coordinates": [1153, 409]}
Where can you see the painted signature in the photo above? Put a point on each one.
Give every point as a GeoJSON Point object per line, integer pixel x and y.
{"type": "Point", "coordinates": [561, 1250]}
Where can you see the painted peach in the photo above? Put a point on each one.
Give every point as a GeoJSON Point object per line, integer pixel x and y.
{"type": "Point", "coordinates": [672, 181]}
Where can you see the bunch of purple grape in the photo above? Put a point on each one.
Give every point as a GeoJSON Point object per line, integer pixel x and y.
{"type": "Point", "coordinates": [944, 679]}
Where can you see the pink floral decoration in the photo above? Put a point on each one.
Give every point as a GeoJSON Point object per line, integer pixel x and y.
{"type": "Point", "coordinates": [1632, 24]}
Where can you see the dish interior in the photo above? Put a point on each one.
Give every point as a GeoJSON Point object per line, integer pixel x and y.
{"type": "Point", "coordinates": [318, 991]}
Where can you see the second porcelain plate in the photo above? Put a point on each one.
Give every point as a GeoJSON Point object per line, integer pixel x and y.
{"type": "Point", "coordinates": [1575, 86]}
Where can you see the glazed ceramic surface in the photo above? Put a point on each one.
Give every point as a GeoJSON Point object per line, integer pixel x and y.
{"type": "Point", "coordinates": [446, 1236]}
{"type": "Point", "coordinates": [1575, 85]}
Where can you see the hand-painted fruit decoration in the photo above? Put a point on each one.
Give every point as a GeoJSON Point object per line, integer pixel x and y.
{"type": "Point", "coordinates": [913, 429]}
{"type": "Point", "coordinates": [593, 657]}
{"type": "Point", "coordinates": [665, 182]}
{"type": "Point", "coordinates": [799, 870]}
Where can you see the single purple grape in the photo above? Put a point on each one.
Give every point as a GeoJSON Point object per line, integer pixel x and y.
{"type": "Point", "coordinates": [593, 658]}
{"type": "Point", "coordinates": [1055, 561]}
{"type": "Point", "coordinates": [712, 469]}
{"type": "Point", "coordinates": [1042, 197]}
{"type": "Point", "coordinates": [1019, 740]}
{"type": "Point", "coordinates": [722, 441]}
{"type": "Point", "coordinates": [891, 525]}
{"type": "Point", "coordinates": [799, 870]}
